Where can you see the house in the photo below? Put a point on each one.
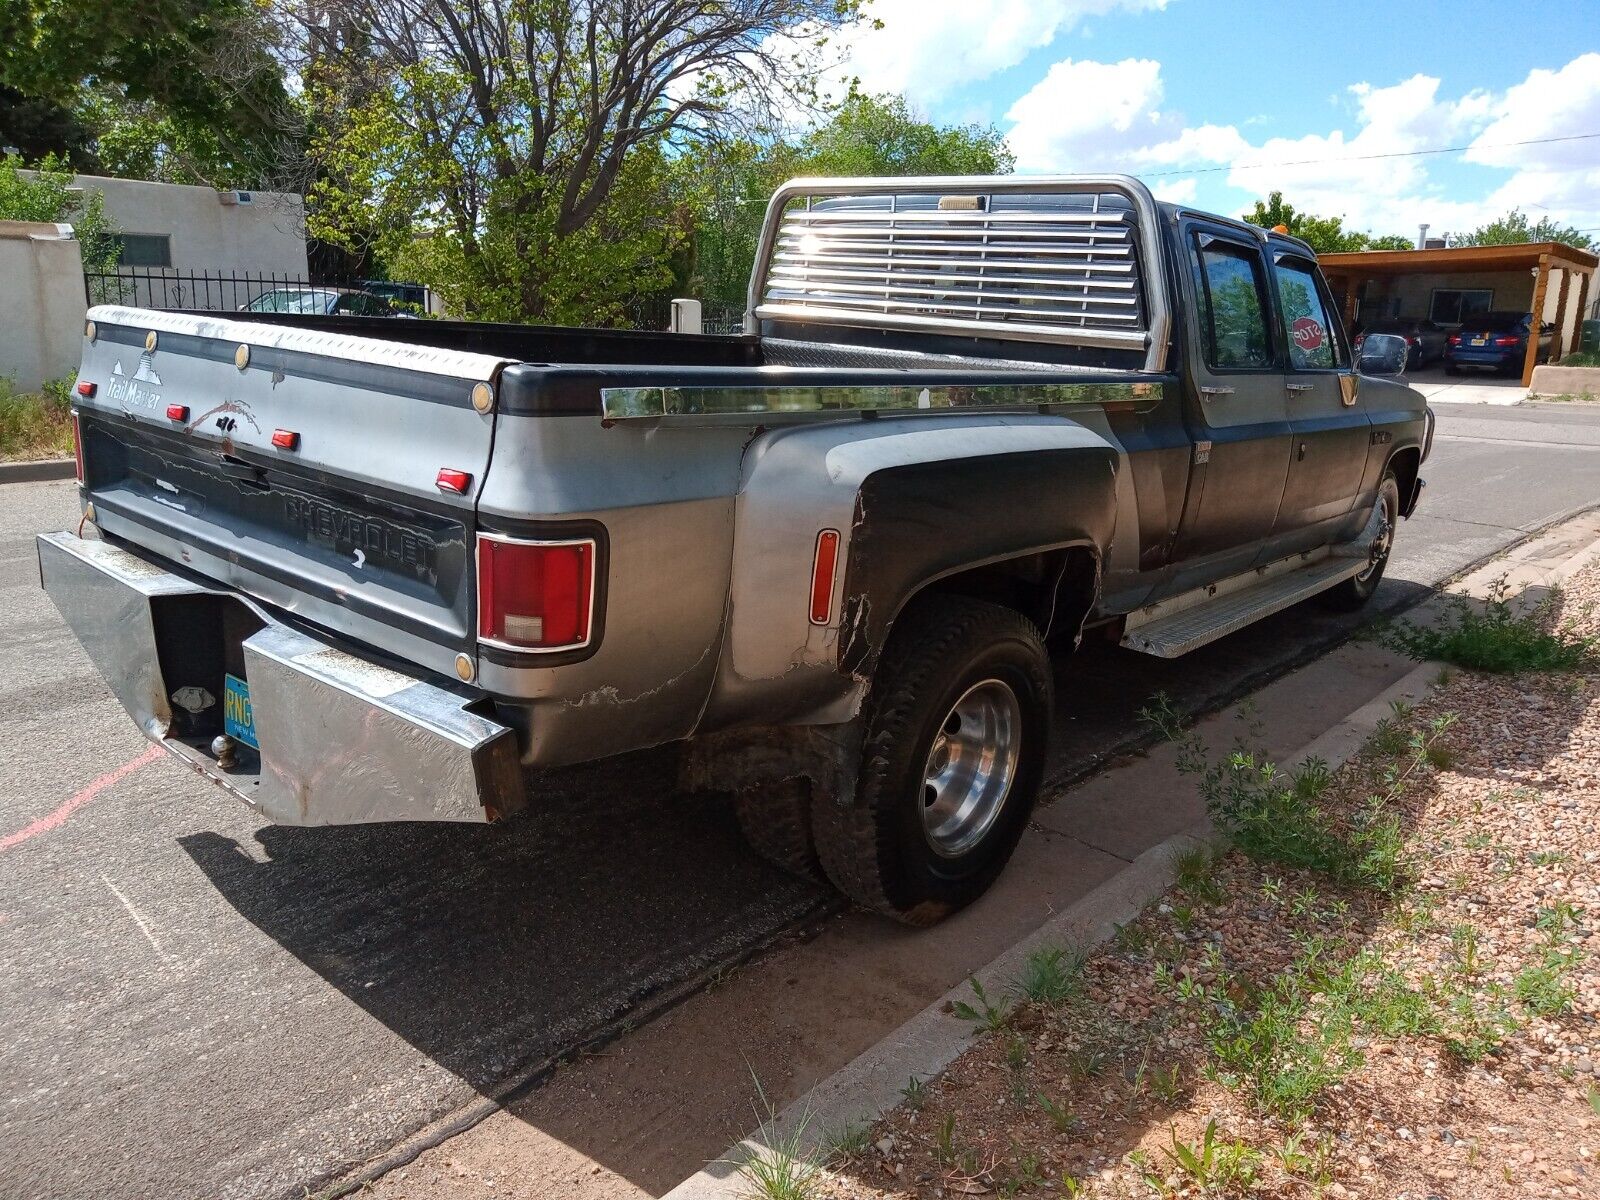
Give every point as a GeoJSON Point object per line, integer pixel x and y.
{"type": "Point", "coordinates": [1449, 284]}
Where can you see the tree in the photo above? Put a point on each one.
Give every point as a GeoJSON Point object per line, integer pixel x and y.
{"type": "Point", "coordinates": [1514, 228]}
{"type": "Point", "coordinates": [1325, 235]}
{"type": "Point", "coordinates": [46, 194]}
{"type": "Point", "coordinates": [208, 66]}
{"type": "Point", "coordinates": [867, 135]}
{"type": "Point", "coordinates": [519, 151]}
{"type": "Point", "coordinates": [34, 128]}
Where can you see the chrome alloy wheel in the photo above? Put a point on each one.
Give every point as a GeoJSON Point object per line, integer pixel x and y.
{"type": "Point", "coordinates": [970, 767]}
{"type": "Point", "coordinates": [1382, 538]}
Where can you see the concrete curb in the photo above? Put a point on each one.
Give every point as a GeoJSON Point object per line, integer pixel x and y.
{"type": "Point", "coordinates": [30, 472]}
{"type": "Point", "coordinates": [863, 1090]}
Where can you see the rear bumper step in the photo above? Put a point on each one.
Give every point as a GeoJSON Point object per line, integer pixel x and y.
{"type": "Point", "coordinates": [342, 740]}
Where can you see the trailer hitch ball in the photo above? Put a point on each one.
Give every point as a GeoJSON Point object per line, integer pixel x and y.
{"type": "Point", "coordinates": [223, 747]}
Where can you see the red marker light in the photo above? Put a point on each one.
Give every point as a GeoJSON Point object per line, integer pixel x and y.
{"type": "Point", "coordinates": [87, 389]}
{"type": "Point", "coordinates": [77, 445]}
{"type": "Point", "coordinates": [285, 439]}
{"type": "Point", "coordinates": [177, 412]}
{"type": "Point", "coordinates": [453, 481]}
{"type": "Point", "coordinates": [823, 568]}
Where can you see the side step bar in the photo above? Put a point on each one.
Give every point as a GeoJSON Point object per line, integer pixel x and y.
{"type": "Point", "coordinates": [1186, 622]}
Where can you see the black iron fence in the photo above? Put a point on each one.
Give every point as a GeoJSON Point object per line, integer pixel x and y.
{"type": "Point", "coordinates": [224, 291]}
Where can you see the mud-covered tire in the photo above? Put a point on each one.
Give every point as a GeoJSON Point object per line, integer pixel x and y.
{"type": "Point", "coordinates": [776, 821]}
{"type": "Point", "coordinates": [879, 850]}
{"type": "Point", "coordinates": [1353, 593]}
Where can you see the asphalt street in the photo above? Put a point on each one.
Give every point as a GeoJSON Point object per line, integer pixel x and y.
{"type": "Point", "coordinates": [193, 1004]}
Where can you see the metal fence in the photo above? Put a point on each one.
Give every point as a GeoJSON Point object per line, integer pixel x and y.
{"type": "Point", "coordinates": [223, 291]}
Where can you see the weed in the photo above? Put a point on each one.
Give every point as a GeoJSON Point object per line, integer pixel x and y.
{"type": "Point", "coordinates": [1547, 858]}
{"type": "Point", "coordinates": [1195, 868]}
{"type": "Point", "coordinates": [35, 424]}
{"type": "Point", "coordinates": [1167, 1085]}
{"type": "Point", "coordinates": [1594, 1099]}
{"type": "Point", "coordinates": [1062, 1118]}
{"type": "Point", "coordinates": [1556, 920]}
{"type": "Point", "coordinates": [1213, 1164]}
{"type": "Point", "coordinates": [1492, 637]}
{"type": "Point", "coordinates": [1071, 1187]}
{"type": "Point", "coordinates": [944, 1140]}
{"type": "Point", "coordinates": [1132, 938]}
{"type": "Point", "coordinates": [1183, 917]}
{"type": "Point", "coordinates": [847, 1143]}
{"type": "Point", "coordinates": [1388, 739]}
{"type": "Point", "coordinates": [1542, 990]}
{"type": "Point", "coordinates": [915, 1093]}
{"type": "Point", "coordinates": [783, 1169]}
{"type": "Point", "coordinates": [1052, 975]}
{"type": "Point", "coordinates": [1085, 1062]}
{"type": "Point", "coordinates": [1464, 945]}
{"type": "Point", "coordinates": [1441, 758]}
{"type": "Point", "coordinates": [991, 1016]}
{"type": "Point", "coordinates": [1313, 1162]}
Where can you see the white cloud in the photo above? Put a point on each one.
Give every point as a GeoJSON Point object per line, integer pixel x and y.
{"type": "Point", "coordinates": [1178, 191]}
{"type": "Point", "coordinates": [1089, 116]}
{"type": "Point", "coordinates": [1083, 115]}
{"type": "Point", "coordinates": [927, 47]}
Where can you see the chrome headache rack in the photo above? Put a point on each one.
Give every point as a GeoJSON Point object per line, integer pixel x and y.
{"type": "Point", "coordinates": [1073, 260]}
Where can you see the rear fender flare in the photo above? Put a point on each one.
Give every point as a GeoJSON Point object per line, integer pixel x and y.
{"type": "Point", "coordinates": [913, 501]}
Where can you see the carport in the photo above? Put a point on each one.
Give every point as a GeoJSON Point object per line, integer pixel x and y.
{"type": "Point", "coordinates": [1446, 285]}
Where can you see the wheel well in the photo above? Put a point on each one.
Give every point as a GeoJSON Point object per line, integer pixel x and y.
{"type": "Point", "coordinates": [1055, 589]}
{"type": "Point", "coordinates": [1405, 464]}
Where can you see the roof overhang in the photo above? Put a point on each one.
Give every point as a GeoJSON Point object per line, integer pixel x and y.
{"type": "Point", "coordinates": [1524, 256]}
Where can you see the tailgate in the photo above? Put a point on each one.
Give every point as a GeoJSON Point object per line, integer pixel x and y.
{"type": "Point", "coordinates": [346, 525]}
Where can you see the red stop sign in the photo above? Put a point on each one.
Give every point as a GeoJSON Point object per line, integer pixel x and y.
{"type": "Point", "coordinates": [1307, 333]}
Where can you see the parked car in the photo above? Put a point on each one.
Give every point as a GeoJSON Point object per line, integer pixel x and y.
{"type": "Point", "coordinates": [323, 301]}
{"type": "Point", "coordinates": [1497, 341]}
{"type": "Point", "coordinates": [1428, 341]}
{"type": "Point", "coordinates": [355, 570]}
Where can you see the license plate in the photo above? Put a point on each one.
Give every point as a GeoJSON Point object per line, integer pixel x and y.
{"type": "Point", "coordinates": [1480, 341]}
{"type": "Point", "coordinates": [238, 721]}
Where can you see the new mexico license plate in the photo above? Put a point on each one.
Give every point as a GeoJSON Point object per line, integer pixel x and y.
{"type": "Point", "coordinates": [238, 721]}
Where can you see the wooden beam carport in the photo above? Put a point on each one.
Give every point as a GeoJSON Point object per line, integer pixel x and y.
{"type": "Point", "coordinates": [1349, 270]}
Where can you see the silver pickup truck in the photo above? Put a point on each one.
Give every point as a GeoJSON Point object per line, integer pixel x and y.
{"type": "Point", "coordinates": [363, 570]}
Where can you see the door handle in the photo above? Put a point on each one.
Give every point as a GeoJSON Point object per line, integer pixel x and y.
{"type": "Point", "coordinates": [1301, 387]}
{"type": "Point", "coordinates": [1209, 390]}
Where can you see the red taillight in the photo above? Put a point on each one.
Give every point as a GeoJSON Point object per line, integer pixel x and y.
{"type": "Point", "coordinates": [177, 412]}
{"type": "Point", "coordinates": [1455, 339]}
{"type": "Point", "coordinates": [535, 595]}
{"type": "Point", "coordinates": [285, 439]}
{"type": "Point", "coordinates": [823, 568]}
{"type": "Point", "coordinates": [77, 445]}
{"type": "Point", "coordinates": [1506, 341]}
{"type": "Point", "coordinates": [87, 389]}
{"type": "Point", "coordinates": [453, 481]}
{"type": "Point", "coordinates": [1413, 341]}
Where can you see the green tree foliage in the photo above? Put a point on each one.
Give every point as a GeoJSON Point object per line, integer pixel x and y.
{"type": "Point", "coordinates": [35, 128]}
{"type": "Point", "coordinates": [1514, 228]}
{"type": "Point", "coordinates": [1325, 235]}
{"type": "Point", "coordinates": [208, 66]}
{"type": "Point", "coordinates": [868, 135]}
{"type": "Point", "coordinates": [46, 194]}
{"type": "Point", "coordinates": [516, 154]}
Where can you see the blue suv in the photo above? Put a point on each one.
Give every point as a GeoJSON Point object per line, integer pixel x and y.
{"type": "Point", "coordinates": [1497, 340]}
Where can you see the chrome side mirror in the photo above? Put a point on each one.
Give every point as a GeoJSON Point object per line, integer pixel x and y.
{"type": "Point", "coordinates": [1383, 354]}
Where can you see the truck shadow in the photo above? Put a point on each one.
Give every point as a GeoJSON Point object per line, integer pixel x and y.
{"type": "Point", "coordinates": [495, 950]}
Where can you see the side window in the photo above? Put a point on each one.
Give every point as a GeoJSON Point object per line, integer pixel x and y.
{"type": "Point", "coordinates": [1313, 340]}
{"type": "Point", "coordinates": [1228, 284]}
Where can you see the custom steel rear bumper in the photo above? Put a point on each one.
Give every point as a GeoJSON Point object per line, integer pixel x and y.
{"type": "Point", "coordinates": [343, 740]}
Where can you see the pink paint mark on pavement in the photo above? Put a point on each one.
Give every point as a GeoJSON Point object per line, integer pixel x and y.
{"type": "Point", "coordinates": [58, 818]}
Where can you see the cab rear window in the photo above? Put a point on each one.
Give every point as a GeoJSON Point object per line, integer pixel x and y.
{"type": "Point", "coordinates": [1491, 323]}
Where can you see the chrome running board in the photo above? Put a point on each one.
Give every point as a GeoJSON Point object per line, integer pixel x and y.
{"type": "Point", "coordinates": [1185, 622]}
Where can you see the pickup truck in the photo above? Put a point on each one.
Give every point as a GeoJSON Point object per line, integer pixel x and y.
{"type": "Point", "coordinates": [354, 569]}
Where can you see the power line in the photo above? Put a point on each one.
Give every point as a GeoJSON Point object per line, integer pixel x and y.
{"type": "Point", "coordinates": [1311, 162]}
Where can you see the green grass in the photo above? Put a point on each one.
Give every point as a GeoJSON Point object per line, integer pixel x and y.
{"type": "Point", "coordinates": [1493, 637]}
{"type": "Point", "coordinates": [1583, 358]}
{"type": "Point", "coordinates": [35, 424]}
{"type": "Point", "coordinates": [1052, 975]}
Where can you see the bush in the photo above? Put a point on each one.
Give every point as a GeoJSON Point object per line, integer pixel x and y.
{"type": "Point", "coordinates": [35, 424]}
{"type": "Point", "coordinates": [1494, 638]}
{"type": "Point", "coordinates": [1582, 358]}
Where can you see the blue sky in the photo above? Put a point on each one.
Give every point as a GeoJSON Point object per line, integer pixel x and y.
{"type": "Point", "coordinates": [1182, 92]}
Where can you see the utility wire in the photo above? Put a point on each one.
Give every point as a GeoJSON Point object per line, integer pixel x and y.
{"type": "Point", "coordinates": [1310, 162]}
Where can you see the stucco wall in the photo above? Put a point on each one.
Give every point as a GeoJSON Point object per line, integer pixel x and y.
{"type": "Point", "coordinates": [41, 302]}
{"type": "Point", "coordinates": [1513, 290]}
{"type": "Point", "coordinates": [265, 236]}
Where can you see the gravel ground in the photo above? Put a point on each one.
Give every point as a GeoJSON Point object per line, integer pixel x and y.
{"type": "Point", "coordinates": [1441, 1040]}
